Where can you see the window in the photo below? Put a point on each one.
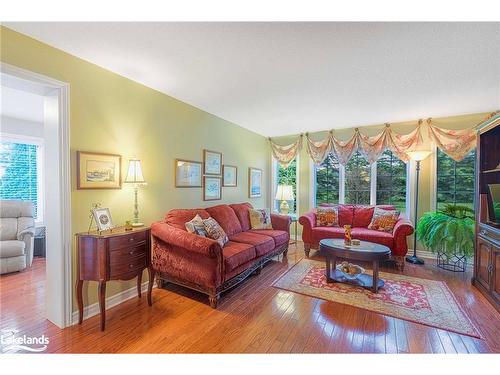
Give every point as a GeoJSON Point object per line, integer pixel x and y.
{"type": "Point", "coordinates": [287, 176]}
{"type": "Point", "coordinates": [391, 181]}
{"type": "Point", "coordinates": [455, 180]}
{"type": "Point", "coordinates": [327, 181]}
{"type": "Point", "coordinates": [20, 171]}
{"type": "Point", "coordinates": [357, 180]}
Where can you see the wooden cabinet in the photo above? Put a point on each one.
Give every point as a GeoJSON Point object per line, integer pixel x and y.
{"type": "Point", "coordinates": [487, 253]}
{"type": "Point", "coordinates": [116, 255]}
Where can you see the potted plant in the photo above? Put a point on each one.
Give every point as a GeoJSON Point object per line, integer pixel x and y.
{"type": "Point", "coordinates": [449, 233]}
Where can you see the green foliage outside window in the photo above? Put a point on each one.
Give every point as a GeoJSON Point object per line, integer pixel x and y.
{"type": "Point", "coordinates": [288, 176]}
{"type": "Point", "coordinates": [357, 180]}
{"type": "Point", "coordinates": [455, 180]}
{"type": "Point", "coordinates": [391, 181]}
{"type": "Point", "coordinates": [327, 181]}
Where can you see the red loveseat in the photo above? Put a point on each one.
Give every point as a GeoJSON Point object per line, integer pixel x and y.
{"type": "Point", "coordinates": [359, 217]}
{"type": "Point", "coordinates": [200, 263]}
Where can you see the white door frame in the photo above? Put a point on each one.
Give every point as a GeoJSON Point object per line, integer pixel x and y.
{"type": "Point", "coordinates": [59, 291]}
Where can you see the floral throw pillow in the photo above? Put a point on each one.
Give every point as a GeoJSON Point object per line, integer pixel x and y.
{"type": "Point", "coordinates": [215, 231]}
{"type": "Point", "coordinates": [260, 219]}
{"type": "Point", "coordinates": [327, 217]}
{"type": "Point", "coordinates": [196, 226]}
{"type": "Point", "coordinates": [384, 220]}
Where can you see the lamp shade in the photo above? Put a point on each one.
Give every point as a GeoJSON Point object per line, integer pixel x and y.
{"type": "Point", "coordinates": [134, 172]}
{"type": "Point", "coordinates": [418, 155]}
{"type": "Point", "coordinates": [284, 193]}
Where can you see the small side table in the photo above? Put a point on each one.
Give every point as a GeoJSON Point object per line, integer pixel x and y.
{"type": "Point", "coordinates": [116, 255]}
{"type": "Point", "coordinates": [295, 220]}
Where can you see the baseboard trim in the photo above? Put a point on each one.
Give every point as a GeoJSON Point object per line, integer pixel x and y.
{"type": "Point", "coordinates": [112, 301]}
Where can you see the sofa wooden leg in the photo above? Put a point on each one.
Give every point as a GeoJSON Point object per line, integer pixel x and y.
{"type": "Point", "coordinates": [160, 283]}
{"type": "Point", "coordinates": [307, 249]}
{"type": "Point", "coordinates": [285, 252]}
{"type": "Point", "coordinates": [400, 263]}
{"type": "Point", "coordinates": [213, 299]}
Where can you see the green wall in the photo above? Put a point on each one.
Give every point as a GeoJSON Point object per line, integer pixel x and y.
{"type": "Point", "coordinates": [112, 114]}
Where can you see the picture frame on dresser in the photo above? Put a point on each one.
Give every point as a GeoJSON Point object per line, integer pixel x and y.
{"type": "Point", "coordinates": [212, 163]}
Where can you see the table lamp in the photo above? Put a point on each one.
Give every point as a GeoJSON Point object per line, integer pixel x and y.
{"type": "Point", "coordinates": [134, 176]}
{"type": "Point", "coordinates": [418, 156]}
{"type": "Point", "coordinates": [284, 193]}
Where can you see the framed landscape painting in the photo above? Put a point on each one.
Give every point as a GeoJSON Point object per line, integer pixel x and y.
{"type": "Point", "coordinates": [188, 173]}
{"type": "Point", "coordinates": [254, 182]}
{"type": "Point", "coordinates": [212, 161]}
{"type": "Point", "coordinates": [98, 171]}
{"type": "Point", "coordinates": [230, 176]}
{"type": "Point", "coordinates": [213, 188]}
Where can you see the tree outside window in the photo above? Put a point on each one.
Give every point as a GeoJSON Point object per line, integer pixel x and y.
{"type": "Point", "coordinates": [455, 180]}
{"type": "Point", "coordinates": [327, 181]}
{"type": "Point", "coordinates": [391, 181]}
{"type": "Point", "coordinates": [357, 180]}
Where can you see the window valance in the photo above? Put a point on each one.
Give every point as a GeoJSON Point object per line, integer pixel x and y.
{"type": "Point", "coordinates": [455, 143]}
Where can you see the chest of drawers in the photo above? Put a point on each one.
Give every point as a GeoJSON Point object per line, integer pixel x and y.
{"type": "Point", "coordinates": [116, 255]}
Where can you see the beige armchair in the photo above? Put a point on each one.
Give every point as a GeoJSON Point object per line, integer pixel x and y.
{"type": "Point", "coordinates": [17, 233]}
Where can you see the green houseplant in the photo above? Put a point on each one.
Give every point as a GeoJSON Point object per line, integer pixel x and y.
{"type": "Point", "coordinates": [449, 233]}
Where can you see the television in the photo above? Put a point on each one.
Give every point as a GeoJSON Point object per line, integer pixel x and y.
{"type": "Point", "coordinates": [494, 203]}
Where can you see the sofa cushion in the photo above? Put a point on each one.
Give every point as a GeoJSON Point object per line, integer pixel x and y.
{"type": "Point", "coordinates": [263, 244]}
{"type": "Point", "coordinates": [8, 228]}
{"type": "Point", "coordinates": [363, 214]}
{"type": "Point", "coordinates": [365, 234]}
{"type": "Point", "coordinates": [215, 231]}
{"type": "Point", "coordinates": [280, 237]}
{"type": "Point", "coordinates": [241, 211]}
{"type": "Point", "coordinates": [319, 233]}
{"type": "Point", "coordinates": [260, 218]}
{"type": "Point", "coordinates": [384, 220]}
{"type": "Point", "coordinates": [236, 254]}
{"type": "Point", "coordinates": [11, 248]}
{"type": "Point", "coordinates": [226, 218]}
{"type": "Point", "coordinates": [327, 216]}
{"type": "Point", "coordinates": [179, 217]}
{"type": "Point", "coordinates": [346, 214]}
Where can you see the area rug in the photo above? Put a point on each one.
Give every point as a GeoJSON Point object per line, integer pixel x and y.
{"type": "Point", "coordinates": [423, 301]}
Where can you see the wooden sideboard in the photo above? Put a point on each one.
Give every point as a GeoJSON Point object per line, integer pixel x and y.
{"type": "Point", "coordinates": [117, 255]}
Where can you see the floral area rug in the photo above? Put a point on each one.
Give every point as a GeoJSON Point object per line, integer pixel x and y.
{"type": "Point", "coordinates": [423, 301]}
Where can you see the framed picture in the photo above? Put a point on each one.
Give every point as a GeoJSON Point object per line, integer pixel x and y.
{"type": "Point", "coordinates": [98, 171]}
{"type": "Point", "coordinates": [230, 175]}
{"type": "Point", "coordinates": [213, 162]}
{"type": "Point", "coordinates": [213, 188]}
{"type": "Point", "coordinates": [188, 173]}
{"type": "Point", "coordinates": [102, 218]}
{"type": "Point", "coordinates": [254, 182]}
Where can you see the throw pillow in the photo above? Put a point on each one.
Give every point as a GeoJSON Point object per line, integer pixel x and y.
{"type": "Point", "coordinates": [384, 220]}
{"type": "Point", "coordinates": [215, 231]}
{"type": "Point", "coordinates": [196, 226]}
{"type": "Point", "coordinates": [260, 219]}
{"type": "Point", "coordinates": [327, 216]}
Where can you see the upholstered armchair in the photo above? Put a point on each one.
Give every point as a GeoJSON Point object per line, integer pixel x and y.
{"type": "Point", "coordinates": [17, 233]}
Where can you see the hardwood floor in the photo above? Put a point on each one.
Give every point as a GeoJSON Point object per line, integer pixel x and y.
{"type": "Point", "coordinates": [252, 318]}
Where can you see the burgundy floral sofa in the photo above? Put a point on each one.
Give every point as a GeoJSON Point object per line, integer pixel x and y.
{"type": "Point", "coordinates": [359, 217]}
{"type": "Point", "coordinates": [200, 263]}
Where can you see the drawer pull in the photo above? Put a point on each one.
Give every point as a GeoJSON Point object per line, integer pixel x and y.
{"type": "Point", "coordinates": [131, 239]}
{"type": "Point", "coordinates": [131, 252]}
{"type": "Point", "coordinates": [130, 266]}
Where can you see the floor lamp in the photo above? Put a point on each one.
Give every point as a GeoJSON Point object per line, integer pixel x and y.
{"type": "Point", "coordinates": [417, 156]}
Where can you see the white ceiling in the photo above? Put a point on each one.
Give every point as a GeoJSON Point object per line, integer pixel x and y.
{"type": "Point", "coordinates": [286, 78]}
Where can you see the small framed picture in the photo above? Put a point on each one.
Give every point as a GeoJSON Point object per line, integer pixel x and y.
{"type": "Point", "coordinates": [98, 171]}
{"type": "Point", "coordinates": [188, 173]}
{"type": "Point", "coordinates": [230, 176]}
{"type": "Point", "coordinates": [102, 217]}
{"type": "Point", "coordinates": [254, 182]}
{"type": "Point", "coordinates": [212, 161]}
{"type": "Point", "coordinates": [213, 188]}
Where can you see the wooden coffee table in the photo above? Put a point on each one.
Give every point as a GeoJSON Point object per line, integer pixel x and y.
{"type": "Point", "coordinates": [334, 249]}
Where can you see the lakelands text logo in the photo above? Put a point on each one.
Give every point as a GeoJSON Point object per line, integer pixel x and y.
{"type": "Point", "coordinates": [11, 342]}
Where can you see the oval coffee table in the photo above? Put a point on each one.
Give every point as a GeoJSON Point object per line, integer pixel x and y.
{"type": "Point", "coordinates": [334, 249]}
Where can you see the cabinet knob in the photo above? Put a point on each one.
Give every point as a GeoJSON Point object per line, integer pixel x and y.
{"type": "Point", "coordinates": [490, 268]}
{"type": "Point", "coordinates": [131, 252]}
{"type": "Point", "coordinates": [131, 239]}
{"type": "Point", "coordinates": [130, 266]}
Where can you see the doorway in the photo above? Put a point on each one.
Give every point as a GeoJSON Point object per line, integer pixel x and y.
{"type": "Point", "coordinates": [36, 117]}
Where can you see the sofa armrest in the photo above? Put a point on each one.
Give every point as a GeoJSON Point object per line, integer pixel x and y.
{"type": "Point", "coordinates": [308, 220]}
{"type": "Point", "coordinates": [28, 237]}
{"type": "Point", "coordinates": [281, 222]}
{"type": "Point", "coordinates": [188, 241]}
{"type": "Point", "coordinates": [402, 229]}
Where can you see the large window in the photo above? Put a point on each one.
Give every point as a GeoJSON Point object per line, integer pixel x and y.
{"type": "Point", "coordinates": [288, 176]}
{"type": "Point", "coordinates": [391, 181]}
{"type": "Point", "coordinates": [327, 181]}
{"type": "Point", "coordinates": [455, 180]}
{"type": "Point", "coordinates": [20, 172]}
{"type": "Point", "coordinates": [357, 180]}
